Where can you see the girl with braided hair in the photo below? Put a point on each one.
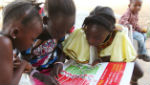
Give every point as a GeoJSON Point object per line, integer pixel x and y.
{"type": "Point", "coordinates": [21, 25]}
{"type": "Point", "coordinates": [99, 31]}
{"type": "Point", "coordinates": [46, 55]}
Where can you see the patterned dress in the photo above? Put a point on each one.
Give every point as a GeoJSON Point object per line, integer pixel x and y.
{"type": "Point", "coordinates": [46, 54]}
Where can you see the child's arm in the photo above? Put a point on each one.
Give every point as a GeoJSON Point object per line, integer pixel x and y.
{"type": "Point", "coordinates": [7, 75]}
{"type": "Point", "coordinates": [18, 63]}
{"type": "Point", "coordinates": [58, 65]}
{"type": "Point", "coordinates": [6, 63]}
{"type": "Point", "coordinates": [18, 72]}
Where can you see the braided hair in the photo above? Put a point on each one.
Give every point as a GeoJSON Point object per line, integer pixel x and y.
{"type": "Point", "coordinates": [103, 16]}
{"type": "Point", "coordinates": [20, 10]}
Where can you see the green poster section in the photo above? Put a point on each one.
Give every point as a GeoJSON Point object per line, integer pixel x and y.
{"type": "Point", "coordinates": [79, 69]}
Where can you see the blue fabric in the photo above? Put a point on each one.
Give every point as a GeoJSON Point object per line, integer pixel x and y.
{"type": "Point", "coordinates": [32, 61]}
{"type": "Point", "coordinates": [141, 38]}
{"type": "Point", "coordinates": [50, 62]}
{"type": "Point", "coordinates": [28, 51]}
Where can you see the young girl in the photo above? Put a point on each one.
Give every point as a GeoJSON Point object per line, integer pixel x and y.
{"type": "Point", "coordinates": [98, 31]}
{"type": "Point", "coordinates": [21, 25]}
{"type": "Point", "coordinates": [48, 56]}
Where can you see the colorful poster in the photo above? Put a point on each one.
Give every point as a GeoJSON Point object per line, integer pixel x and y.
{"type": "Point", "coordinates": [100, 74]}
{"type": "Point", "coordinates": [78, 74]}
{"type": "Point", "coordinates": [112, 74]}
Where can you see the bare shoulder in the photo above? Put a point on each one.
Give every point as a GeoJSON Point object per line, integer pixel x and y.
{"type": "Point", "coordinates": [5, 47]}
{"type": "Point", "coordinates": [6, 60]}
{"type": "Point", "coordinates": [4, 40]}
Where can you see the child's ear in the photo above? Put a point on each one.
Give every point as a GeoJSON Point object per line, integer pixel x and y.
{"type": "Point", "coordinates": [45, 20]}
{"type": "Point", "coordinates": [14, 32]}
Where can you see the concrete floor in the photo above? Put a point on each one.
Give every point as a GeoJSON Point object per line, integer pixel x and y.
{"type": "Point", "coordinates": [146, 67]}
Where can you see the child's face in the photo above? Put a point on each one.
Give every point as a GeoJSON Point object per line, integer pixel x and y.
{"type": "Point", "coordinates": [96, 34]}
{"type": "Point", "coordinates": [26, 35]}
{"type": "Point", "coordinates": [60, 26]}
{"type": "Point", "coordinates": [135, 6]}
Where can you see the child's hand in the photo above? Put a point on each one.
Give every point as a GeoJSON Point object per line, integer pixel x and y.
{"type": "Point", "coordinates": [58, 67]}
{"type": "Point", "coordinates": [96, 62]}
{"type": "Point", "coordinates": [27, 57]}
{"type": "Point", "coordinates": [28, 68]}
{"type": "Point", "coordinates": [50, 81]}
{"type": "Point", "coordinates": [144, 30]}
{"type": "Point", "coordinates": [16, 62]}
{"type": "Point", "coordinates": [47, 80]}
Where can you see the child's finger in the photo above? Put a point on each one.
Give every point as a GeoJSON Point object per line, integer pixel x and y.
{"type": "Point", "coordinates": [52, 74]}
{"type": "Point", "coordinates": [54, 82]}
{"type": "Point", "coordinates": [57, 73]}
{"type": "Point", "coordinates": [17, 63]}
{"type": "Point", "coordinates": [16, 59]}
{"type": "Point", "coordinates": [94, 63]}
{"type": "Point", "coordinates": [57, 82]}
{"type": "Point", "coordinates": [26, 71]}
